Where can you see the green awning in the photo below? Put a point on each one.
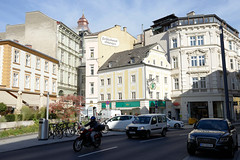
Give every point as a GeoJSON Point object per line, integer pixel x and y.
{"type": "Point", "coordinates": [159, 104]}
{"type": "Point", "coordinates": [128, 104]}
{"type": "Point", "coordinates": [104, 105]}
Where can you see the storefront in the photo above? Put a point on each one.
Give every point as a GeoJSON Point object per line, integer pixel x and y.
{"type": "Point", "coordinates": [157, 107]}
{"type": "Point", "coordinates": [129, 108]}
{"type": "Point", "coordinates": [198, 110]}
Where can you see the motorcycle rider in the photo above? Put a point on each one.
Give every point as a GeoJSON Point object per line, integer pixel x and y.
{"type": "Point", "coordinates": [93, 125]}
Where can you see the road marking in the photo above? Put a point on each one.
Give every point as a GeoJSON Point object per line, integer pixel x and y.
{"type": "Point", "coordinates": [103, 150]}
{"type": "Point", "coordinates": [151, 140]}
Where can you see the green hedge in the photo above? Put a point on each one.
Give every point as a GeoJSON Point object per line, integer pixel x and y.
{"type": "Point", "coordinates": [10, 117]}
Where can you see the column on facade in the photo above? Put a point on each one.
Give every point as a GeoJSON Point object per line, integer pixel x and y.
{"type": "Point", "coordinates": [41, 100]}
{"type": "Point", "coordinates": [19, 102]}
{"type": "Point", "coordinates": [210, 109]}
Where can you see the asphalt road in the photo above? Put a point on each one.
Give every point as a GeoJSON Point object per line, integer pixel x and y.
{"type": "Point", "coordinates": [171, 147]}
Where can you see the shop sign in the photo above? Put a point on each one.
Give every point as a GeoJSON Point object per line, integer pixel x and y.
{"type": "Point", "coordinates": [110, 41]}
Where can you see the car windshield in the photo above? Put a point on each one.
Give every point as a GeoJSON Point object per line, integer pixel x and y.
{"type": "Point", "coordinates": [142, 120]}
{"type": "Point", "coordinates": [218, 125]}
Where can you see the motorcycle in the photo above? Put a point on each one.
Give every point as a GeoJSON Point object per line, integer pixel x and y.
{"type": "Point", "coordinates": [85, 139]}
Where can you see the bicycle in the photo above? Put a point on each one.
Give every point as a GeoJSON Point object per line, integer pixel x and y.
{"type": "Point", "coordinates": [67, 130]}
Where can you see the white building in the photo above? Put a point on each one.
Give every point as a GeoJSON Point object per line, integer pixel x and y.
{"type": "Point", "coordinates": [194, 51]}
{"type": "Point", "coordinates": [136, 81]}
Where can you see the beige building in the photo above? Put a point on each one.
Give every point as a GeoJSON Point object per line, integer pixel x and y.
{"type": "Point", "coordinates": [136, 81]}
{"type": "Point", "coordinates": [26, 76]}
{"type": "Point", "coordinates": [99, 48]}
{"type": "Point", "coordinates": [53, 38]}
{"type": "Point", "coordinates": [193, 47]}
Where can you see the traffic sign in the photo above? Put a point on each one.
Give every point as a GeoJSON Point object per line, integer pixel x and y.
{"type": "Point", "coordinates": [107, 102]}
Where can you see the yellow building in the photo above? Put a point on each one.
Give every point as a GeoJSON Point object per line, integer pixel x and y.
{"type": "Point", "coordinates": [136, 81]}
{"type": "Point", "coordinates": [26, 76]}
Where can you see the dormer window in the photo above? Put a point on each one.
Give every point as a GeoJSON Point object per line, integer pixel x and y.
{"type": "Point", "coordinates": [110, 64]}
{"type": "Point", "coordinates": [132, 60]}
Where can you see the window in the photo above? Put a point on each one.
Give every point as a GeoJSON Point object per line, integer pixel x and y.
{"type": "Point", "coordinates": [151, 94]}
{"type": "Point", "coordinates": [201, 60]}
{"type": "Point", "coordinates": [69, 78]}
{"type": "Point", "coordinates": [157, 78]}
{"type": "Point", "coordinates": [157, 95]}
{"type": "Point", "coordinates": [175, 62]}
{"type": "Point", "coordinates": [120, 95]}
{"type": "Point", "coordinates": [102, 97]}
{"type": "Point", "coordinates": [200, 40]}
{"type": "Point", "coordinates": [133, 78]}
{"type": "Point", "coordinates": [150, 76]}
{"type": "Point", "coordinates": [69, 58]}
{"type": "Point", "coordinates": [166, 95]}
{"type": "Point", "coordinates": [92, 69]}
{"type": "Point", "coordinates": [174, 43]}
{"type": "Point", "coordinates": [37, 83]}
{"type": "Point", "coordinates": [133, 95]}
{"type": "Point", "coordinates": [165, 80]}
{"type": "Point", "coordinates": [102, 82]}
{"type": "Point", "coordinates": [195, 82]}
{"type": "Point", "coordinates": [193, 41]}
{"type": "Point", "coordinates": [92, 52]}
{"type": "Point", "coordinates": [27, 81]}
{"type": "Point", "coordinates": [230, 45]}
{"type": "Point", "coordinates": [109, 96]}
{"type": "Point", "coordinates": [154, 61]}
{"type": "Point", "coordinates": [202, 82]}
{"type": "Point", "coordinates": [233, 83]}
{"type": "Point", "coordinates": [46, 66]}
{"type": "Point", "coordinates": [194, 60]}
{"type": "Point", "coordinates": [54, 86]}
{"type": "Point", "coordinates": [62, 55]}
{"type": "Point", "coordinates": [109, 81]}
{"type": "Point", "coordinates": [61, 76]}
{"type": "Point", "coordinates": [176, 83]}
{"type": "Point", "coordinates": [92, 88]}
{"type": "Point", "coordinates": [132, 60]}
{"type": "Point", "coordinates": [28, 60]}
{"type": "Point", "coordinates": [120, 80]}
{"type": "Point", "coordinates": [16, 56]}
{"type": "Point", "coordinates": [38, 62]}
{"type": "Point", "coordinates": [54, 69]}
{"type": "Point", "coordinates": [15, 79]}
{"type": "Point", "coordinates": [46, 85]}
{"type": "Point", "coordinates": [62, 38]}
{"type": "Point", "coordinates": [231, 63]}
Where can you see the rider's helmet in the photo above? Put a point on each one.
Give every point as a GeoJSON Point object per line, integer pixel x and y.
{"type": "Point", "coordinates": [93, 118]}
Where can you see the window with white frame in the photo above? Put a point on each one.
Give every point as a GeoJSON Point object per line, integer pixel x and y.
{"type": "Point", "coordinates": [133, 95]}
{"type": "Point", "coordinates": [38, 62]}
{"type": "Point", "coordinates": [15, 79]}
{"type": "Point", "coordinates": [69, 78]}
{"type": "Point", "coordinates": [62, 38]}
{"type": "Point", "coordinates": [201, 60]}
{"type": "Point", "coordinates": [45, 84]}
{"type": "Point", "coordinates": [37, 83]}
{"type": "Point", "coordinates": [150, 76]}
{"type": "Point", "coordinates": [165, 80]}
{"type": "Point", "coordinates": [92, 52]}
{"type": "Point", "coordinates": [54, 86]}
{"type": "Point", "coordinates": [102, 82]}
{"type": "Point", "coordinates": [157, 95]}
{"type": "Point", "coordinates": [157, 78]}
{"type": "Point", "coordinates": [203, 82]}
{"type": "Point", "coordinates": [62, 55]}
{"type": "Point", "coordinates": [119, 95]}
{"type": "Point", "coordinates": [46, 66]}
{"type": "Point", "coordinates": [231, 63]}
{"type": "Point", "coordinates": [109, 81]}
{"type": "Point", "coordinates": [91, 87]}
{"type": "Point", "coordinates": [92, 69]}
{"type": "Point", "coordinates": [166, 95]}
{"type": "Point", "coordinates": [16, 56]}
{"type": "Point", "coordinates": [109, 96]}
{"type": "Point", "coordinates": [102, 97]}
{"type": "Point", "coordinates": [119, 80]}
{"type": "Point", "coordinates": [69, 58]}
{"type": "Point", "coordinates": [194, 60]}
{"type": "Point", "coordinates": [133, 78]}
{"type": "Point", "coordinates": [200, 40]}
{"type": "Point", "coordinates": [54, 68]}
{"type": "Point", "coordinates": [61, 76]}
{"type": "Point", "coordinates": [176, 83]}
{"type": "Point", "coordinates": [174, 42]}
{"type": "Point", "coordinates": [193, 41]}
{"type": "Point", "coordinates": [196, 40]}
{"type": "Point", "coordinates": [151, 94]}
{"type": "Point", "coordinates": [28, 60]}
{"type": "Point", "coordinates": [230, 45]}
{"type": "Point", "coordinates": [27, 81]}
{"type": "Point", "coordinates": [195, 82]}
{"type": "Point", "coordinates": [175, 62]}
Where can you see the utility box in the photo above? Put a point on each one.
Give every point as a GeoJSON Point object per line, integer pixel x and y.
{"type": "Point", "coordinates": [43, 129]}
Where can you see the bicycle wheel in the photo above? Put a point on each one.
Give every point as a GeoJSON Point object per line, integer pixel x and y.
{"type": "Point", "coordinates": [58, 133]}
{"type": "Point", "coordinates": [106, 129]}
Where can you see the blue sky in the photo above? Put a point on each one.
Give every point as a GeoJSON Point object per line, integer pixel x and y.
{"type": "Point", "coordinates": [103, 14]}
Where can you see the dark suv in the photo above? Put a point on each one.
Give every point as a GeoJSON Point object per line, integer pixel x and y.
{"type": "Point", "coordinates": [213, 134]}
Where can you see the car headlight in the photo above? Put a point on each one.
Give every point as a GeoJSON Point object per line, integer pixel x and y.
{"type": "Point", "coordinates": [191, 137]}
{"type": "Point", "coordinates": [223, 139]}
{"type": "Point", "coordinates": [142, 128]}
{"type": "Point", "coordinates": [127, 128]}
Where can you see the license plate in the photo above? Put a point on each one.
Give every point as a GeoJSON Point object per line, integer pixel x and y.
{"type": "Point", "coordinates": [206, 145]}
{"type": "Point", "coordinates": [132, 132]}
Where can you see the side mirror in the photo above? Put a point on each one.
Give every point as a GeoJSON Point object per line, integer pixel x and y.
{"type": "Point", "coordinates": [231, 127]}
{"type": "Point", "coordinates": [194, 126]}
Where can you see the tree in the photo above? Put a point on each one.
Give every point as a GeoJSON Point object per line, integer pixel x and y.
{"type": "Point", "coordinates": [67, 107]}
{"type": "Point", "coordinates": [3, 108]}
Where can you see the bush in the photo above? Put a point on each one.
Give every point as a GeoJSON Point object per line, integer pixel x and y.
{"type": "Point", "coordinates": [43, 112]}
{"type": "Point", "coordinates": [3, 119]}
{"type": "Point", "coordinates": [10, 117]}
{"type": "Point", "coordinates": [19, 117]}
{"type": "Point", "coordinates": [52, 116]}
{"type": "Point", "coordinates": [3, 107]}
{"type": "Point", "coordinates": [26, 112]}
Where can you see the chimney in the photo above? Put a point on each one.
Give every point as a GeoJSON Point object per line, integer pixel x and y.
{"type": "Point", "coordinates": [118, 26]}
{"type": "Point", "coordinates": [192, 13]}
{"type": "Point", "coordinates": [125, 29]}
{"type": "Point", "coordinates": [28, 45]}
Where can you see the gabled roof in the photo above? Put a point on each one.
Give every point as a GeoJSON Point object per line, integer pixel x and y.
{"type": "Point", "coordinates": [121, 59]}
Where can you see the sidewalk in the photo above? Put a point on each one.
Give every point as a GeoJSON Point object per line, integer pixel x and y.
{"type": "Point", "coordinates": [30, 140]}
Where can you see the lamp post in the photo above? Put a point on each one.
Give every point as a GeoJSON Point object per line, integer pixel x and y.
{"type": "Point", "coordinates": [224, 74]}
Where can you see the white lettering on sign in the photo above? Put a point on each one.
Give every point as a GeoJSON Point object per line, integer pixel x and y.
{"type": "Point", "coordinates": [110, 41]}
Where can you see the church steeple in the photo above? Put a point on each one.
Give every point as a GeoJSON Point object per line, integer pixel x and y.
{"type": "Point", "coordinates": [83, 24]}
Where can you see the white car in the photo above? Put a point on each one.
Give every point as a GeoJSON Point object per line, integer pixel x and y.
{"type": "Point", "coordinates": [174, 123]}
{"type": "Point", "coordinates": [120, 122]}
